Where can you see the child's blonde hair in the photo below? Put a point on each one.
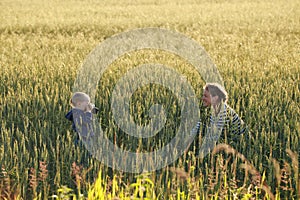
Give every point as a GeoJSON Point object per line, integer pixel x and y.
{"type": "Point", "coordinates": [79, 97]}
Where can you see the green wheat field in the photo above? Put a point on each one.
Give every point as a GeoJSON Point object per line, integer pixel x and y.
{"type": "Point", "coordinates": [255, 45]}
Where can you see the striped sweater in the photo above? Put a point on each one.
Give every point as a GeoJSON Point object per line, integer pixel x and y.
{"type": "Point", "coordinates": [226, 122]}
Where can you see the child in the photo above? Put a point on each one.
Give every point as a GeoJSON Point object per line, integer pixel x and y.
{"type": "Point", "coordinates": [81, 116]}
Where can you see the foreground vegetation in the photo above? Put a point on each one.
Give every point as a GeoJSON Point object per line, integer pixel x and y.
{"type": "Point", "coordinates": [255, 46]}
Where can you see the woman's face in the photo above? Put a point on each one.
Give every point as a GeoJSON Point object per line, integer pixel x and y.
{"type": "Point", "coordinates": [209, 100]}
{"type": "Point", "coordinates": [206, 98]}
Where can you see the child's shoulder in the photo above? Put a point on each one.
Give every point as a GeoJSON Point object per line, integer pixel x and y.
{"type": "Point", "coordinates": [79, 112]}
{"type": "Point", "coordinates": [69, 115]}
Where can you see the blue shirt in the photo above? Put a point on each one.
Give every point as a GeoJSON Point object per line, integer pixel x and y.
{"type": "Point", "coordinates": [82, 122]}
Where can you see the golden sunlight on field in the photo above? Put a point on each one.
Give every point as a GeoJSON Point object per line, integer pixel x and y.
{"type": "Point", "coordinates": [255, 46]}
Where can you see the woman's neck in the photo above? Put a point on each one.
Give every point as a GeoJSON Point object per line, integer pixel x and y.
{"type": "Point", "coordinates": [217, 108]}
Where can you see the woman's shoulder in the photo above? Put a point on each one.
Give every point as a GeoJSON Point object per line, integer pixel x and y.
{"type": "Point", "coordinates": [230, 110]}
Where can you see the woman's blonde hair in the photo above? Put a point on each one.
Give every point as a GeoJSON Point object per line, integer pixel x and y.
{"type": "Point", "coordinates": [79, 97]}
{"type": "Point", "coordinates": [216, 89]}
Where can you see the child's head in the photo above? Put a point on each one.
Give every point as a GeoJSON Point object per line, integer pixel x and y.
{"type": "Point", "coordinates": [80, 100]}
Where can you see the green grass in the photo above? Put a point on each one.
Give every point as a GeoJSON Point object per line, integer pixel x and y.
{"type": "Point", "coordinates": [254, 44]}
